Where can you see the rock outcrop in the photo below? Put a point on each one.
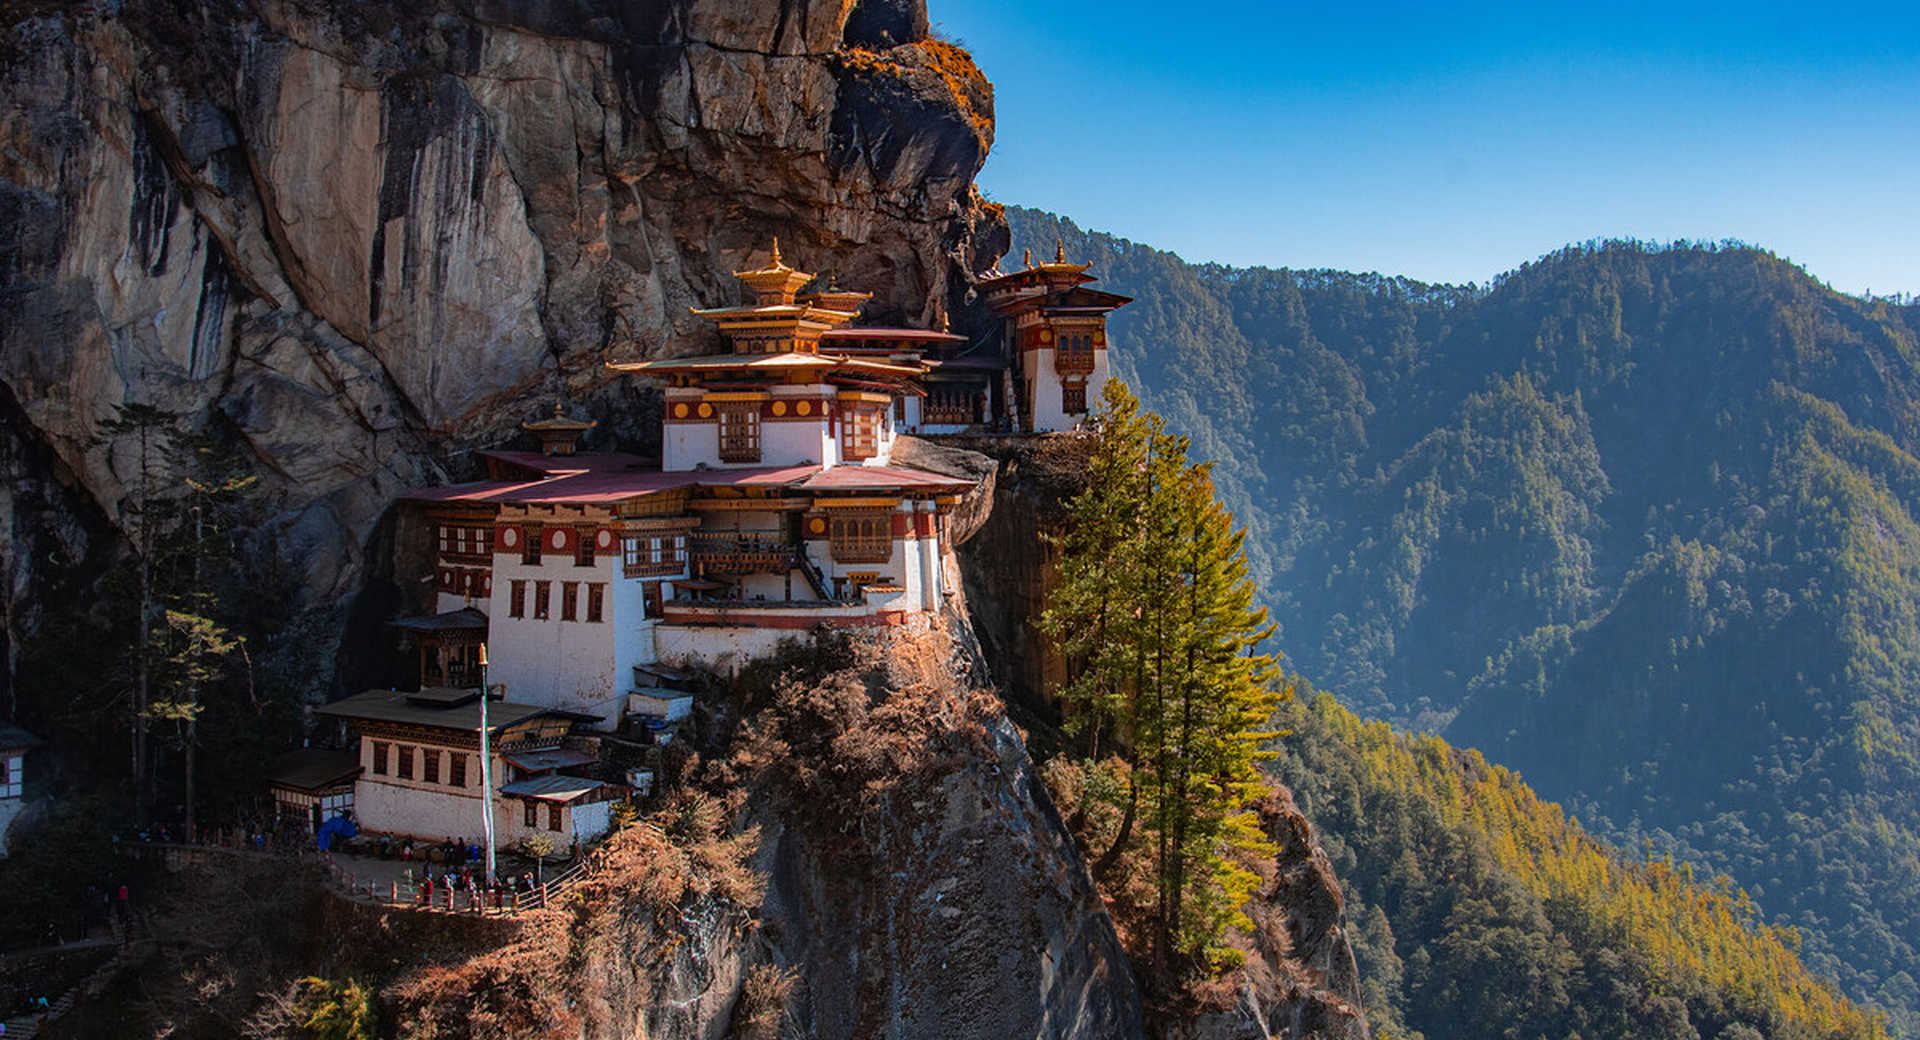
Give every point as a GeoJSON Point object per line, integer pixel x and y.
{"type": "Point", "coordinates": [910, 877]}
{"type": "Point", "coordinates": [1011, 562]}
{"type": "Point", "coordinates": [1301, 979]}
{"type": "Point", "coordinates": [362, 238]}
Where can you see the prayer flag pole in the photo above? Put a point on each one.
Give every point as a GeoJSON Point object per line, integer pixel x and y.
{"type": "Point", "coordinates": [486, 770]}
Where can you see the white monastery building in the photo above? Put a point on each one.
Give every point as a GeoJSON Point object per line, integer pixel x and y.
{"type": "Point", "coordinates": [775, 507]}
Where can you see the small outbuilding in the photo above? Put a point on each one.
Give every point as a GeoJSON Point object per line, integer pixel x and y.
{"type": "Point", "coordinates": [313, 785]}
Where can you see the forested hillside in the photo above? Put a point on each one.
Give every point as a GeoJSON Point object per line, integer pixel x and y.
{"type": "Point", "coordinates": [1478, 910]}
{"type": "Point", "coordinates": [1637, 522]}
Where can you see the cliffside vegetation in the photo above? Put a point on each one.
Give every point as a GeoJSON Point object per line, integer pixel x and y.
{"type": "Point", "coordinates": [1640, 522]}
{"type": "Point", "coordinates": [1155, 616]}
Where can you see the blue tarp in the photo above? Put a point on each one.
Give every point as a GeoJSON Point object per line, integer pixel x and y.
{"type": "Point", "coordinates": [341, 826]}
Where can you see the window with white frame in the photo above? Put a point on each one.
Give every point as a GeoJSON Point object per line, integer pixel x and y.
{"type": "Point", "coordinates": [740, 432]}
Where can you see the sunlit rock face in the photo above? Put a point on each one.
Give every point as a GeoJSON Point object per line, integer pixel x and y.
{"type": "Point", "coordinates": [363, 238]}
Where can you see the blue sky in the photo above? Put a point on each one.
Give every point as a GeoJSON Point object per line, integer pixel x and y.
{"type": "Point", "coordinates": [1451, 144]}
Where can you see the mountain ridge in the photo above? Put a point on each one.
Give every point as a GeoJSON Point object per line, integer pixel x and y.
{"type": "Point", "coordinates": [1635, 521]}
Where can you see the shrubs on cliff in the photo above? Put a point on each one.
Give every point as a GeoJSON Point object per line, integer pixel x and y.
{"type": "Point", "coordinates": [835, 725]}
{"type": "Point", "coordinates": [838, 723]}
{"type": "Point", "coordinates": [1154, 613]}
{"type": "Point", "coordinates": [645, 878]}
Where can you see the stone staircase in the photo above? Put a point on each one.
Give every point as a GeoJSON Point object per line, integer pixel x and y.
{"type": "Point", "coordinates": [24, 1027]}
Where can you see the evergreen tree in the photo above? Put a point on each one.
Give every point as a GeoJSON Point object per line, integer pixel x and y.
{"type": "Point", "coordinates": [1154, 611]}
{"type": "Point", "coordinates": [150, 430]}
{"type": "Point", "coordinates": [200, 653]}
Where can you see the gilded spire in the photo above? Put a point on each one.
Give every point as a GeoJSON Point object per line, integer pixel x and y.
{"type": "Point", "coordinates": [1059, 250]}
{"type": "Point", "coordinates": [1027, 258]}
{"type": "Point", "coordinates": [776, 252]}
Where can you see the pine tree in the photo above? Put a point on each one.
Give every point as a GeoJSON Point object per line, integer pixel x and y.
{"type": "Point", "coordinates": [151, 430]}
{"type": "Point", "coordinates": [1154, 613]}
{"type": "Point", "coordinates": [200, 651]}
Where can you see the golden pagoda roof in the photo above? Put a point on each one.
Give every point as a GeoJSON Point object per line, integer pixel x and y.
{"type": "Point", "coordinates": [839, 300]}
{"type": "Point", "coordinates": [1056, 271]}
{"type": "Point", "coordinates": [1059, 262]}
{"type": "Point", "coordinates": [776, 279]}
{"type": "Point", "coordinates": [768, 363]}
{"type": "Point", "coordinates": [762, 362]}
{"type": "Point", "coordinates": [558, 423]}
{"type": "Point", "coordinates": [796, 312]}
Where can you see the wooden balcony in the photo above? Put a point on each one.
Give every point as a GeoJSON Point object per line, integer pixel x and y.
{"type": "Point", "coordinates": [744, 553]}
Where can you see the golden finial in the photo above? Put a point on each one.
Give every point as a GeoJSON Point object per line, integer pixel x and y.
{"type": "Point", "coordinates": [1059, 250]}
{"type": "Point", "coordinates": [1027, 258]}
{"type": "Point", "coordinates": [945, 324]}
{"type": "Point", "coordinates": [776, 252]}
{"type": "Point", "coordinates": [556, 408]}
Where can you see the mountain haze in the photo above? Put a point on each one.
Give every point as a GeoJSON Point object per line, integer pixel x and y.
{"type": "Point", "coordinates": [1637, 521]}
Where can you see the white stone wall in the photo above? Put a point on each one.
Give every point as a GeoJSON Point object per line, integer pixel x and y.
{"type": "Point", "coordinates": [573, 665]}
{"type": "Point", "coordinates": [685, 446]}
{"type": "Point", "coordinates": [930, 583]}
{"type": "Point", "coordinates": [592, 820]}
{"type": "Point", "coordinates": [577, 822]}
{"type": "Point", "coordinates": [690, 443]}
{"type": "Point", "coordinates": [791, 442]}
{"type": "Point", "coordinates": [889, 432]}
{"type": "Point", "coordinates": [1043, 389]}
{"type": "Point", "coordinates": [632, 629]}
{"type": "Point", "coordinates": [723, 649]}
{"type": "Point", "coordinates": [383, 803]}
{"type": "Point", "coordinates": [773, 586]}
{"type": "Point", "coordinates": [389, 804]}
{"type": "Point", "coordinates": [448, 602]}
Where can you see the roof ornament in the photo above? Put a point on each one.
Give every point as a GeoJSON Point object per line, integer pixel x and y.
{"type": "Point", "coordinates": [1059, 250]}
{"type": "Point", "coordinates": [776, 252]}
{"type": "Point", "coordinates": [558, 435]}
{"type": "Point", "coordinates": [1027, 258]}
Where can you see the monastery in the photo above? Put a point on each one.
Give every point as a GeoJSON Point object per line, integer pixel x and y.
{"type": "Point", "coordinates": [584, 586]}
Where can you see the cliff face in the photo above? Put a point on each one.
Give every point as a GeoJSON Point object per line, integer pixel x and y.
{"type": "Point", "coordinates": [362, 238]}
{"type": "Point", "coordinates": [871, 833]}
{"type": "Point", "coordinates": [1300, 978]}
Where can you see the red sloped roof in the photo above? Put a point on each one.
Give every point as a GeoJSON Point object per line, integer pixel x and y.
{"type": "Point", "coordinates": [600, 487]}
{"type": "Point", "coordinates": [854, 478]}
{"type": "Point", "coordinates": [909, 335]}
